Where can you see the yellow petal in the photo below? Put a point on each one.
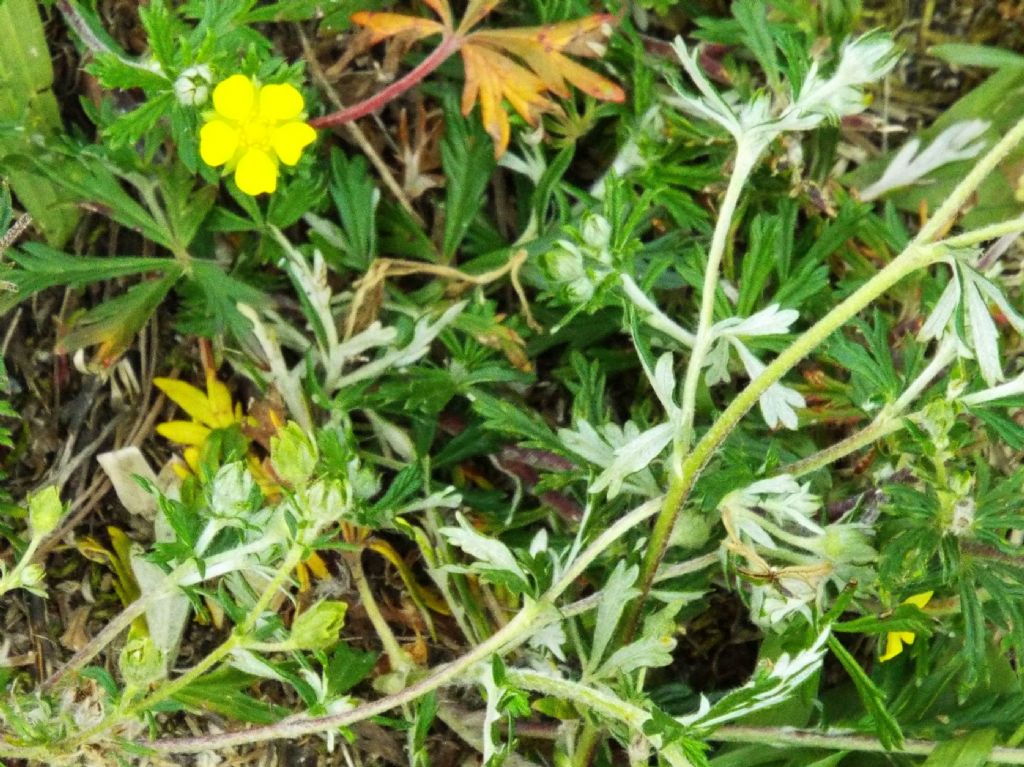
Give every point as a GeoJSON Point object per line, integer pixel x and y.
{"type": "Point", "coordinates": [279, 103]}
{"type": "Point", "coordinates": [907, 637]}
{"type": "Point", "coordinates": [220, 402]}
{"type": "Point", "coordinates": [183, 432]}
{"type": "Point", "coordinates": [919, 600]}
{"type": "Point", "coordinates": [188, 398]}
{"type": "Point", "coordinates": [303, 575]}
{"type": "Point", "coordinates": [290, 139]}
{"type": "Point", "coordinates": [317, 566]}
{"type": "Point", "coordinates": [218, 142]}
{"type": "Point", "coordinates": [893, 646]}
{"type": "Point", "coordinates": [256, 173]}
{"type": "Point", "coordinates": [233, 98]}
{"type": "Point", "coordinates": [191, 456]}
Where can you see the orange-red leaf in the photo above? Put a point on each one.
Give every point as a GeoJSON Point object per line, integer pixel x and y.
{"type": "Point", "coordinates": [442, 9]}
{"type": "Point", "coordinates": [580, 37]}
{"type": "Point", "coordinates": [492, 77]}
{"type": "Point", "coordinates": [383, 25]}
{"type": "Point", "coordinates": [523, 66]}
{"type": "Point", "coordinates": [475, 12]}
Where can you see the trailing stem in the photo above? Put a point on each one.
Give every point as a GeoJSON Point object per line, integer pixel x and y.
{"type": "Point", "coordinates": [920, 253]}
{"type": "Point", "coordinates": [530, 619]}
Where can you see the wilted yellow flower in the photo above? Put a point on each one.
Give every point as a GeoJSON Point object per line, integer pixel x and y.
{"type": "Point", "coordinates": [251, 129]}
{"type": "Point", "coordinates": [895, 640]}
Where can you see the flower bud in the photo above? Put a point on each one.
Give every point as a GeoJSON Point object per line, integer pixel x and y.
{"type": "Point", "coordinates": [847, 543]}
{"type": "Point", "coordinates": [319, 626]}
{"type": "Point", "coordinates": [564, 263]}
{"type": "Point", "coordinates": [293, 455]}
{"type": "Point", "coordinates": [326, 501]}
{"type": "Point", "coordinates": [141, 662]}
{"type": "Point", "coordinates": [192, 88]}
{"type": "Point", "coordinates": [692, 530]}
{"type": "Point", "coordinates": [231, 491]}
{"type": "Point", "coordinates": [44, 512]}
{"type": "Point", "coordinates": [596, 231]}
{"type": "Point", "coordinates": [32, 576]}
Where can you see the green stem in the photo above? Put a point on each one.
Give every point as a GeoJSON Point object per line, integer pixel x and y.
{"type": "Point", "coordinates": [745, 160]}
{"type": "Point", "coordinates": [525, 623]}
{"type": "Point", "coordinates": [917, 255]}
{"type": "Point", "coordinates": [842, 741]}
{"type": "Point", "coordinates": [397, 657]}
{"type": "Point", "coordinates": [890, 419]}
{"type": "Point", "coordinates": [985, 233]}
{"type": "Point", "coordinates": [170, 689]}
{"type": "Point", "coordinates": [913, 258]}
{"type": "Point", "coordinates": [586, 744]}
{"type": "Point", "coordinates": [530, 619]}
{"type": "Point", "coordinates": [947, 212]}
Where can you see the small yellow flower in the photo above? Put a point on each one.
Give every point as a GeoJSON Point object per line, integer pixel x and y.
{"type": "Point", "coordinates": [209, 410]}
{"type": "Point", "coordinates": [251, 129]}
{"type": "Point", "coordinates": [895, 640]}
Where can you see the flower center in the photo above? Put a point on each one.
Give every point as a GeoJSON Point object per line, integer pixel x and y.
{"type": "Point", "coordinates": [256, 133]}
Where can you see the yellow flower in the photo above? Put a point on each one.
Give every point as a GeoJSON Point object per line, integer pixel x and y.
{"type": "Point", "coordinates": [252, 128]}
{"type": "Point", "coordinates": [209, 410]}
{"type": "Point", "coordinates": [895, 640]}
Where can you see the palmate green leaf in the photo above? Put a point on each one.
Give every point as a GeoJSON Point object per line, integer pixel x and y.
{"type": "Point", "coordinates": [113, 324]}
{"type": "Point", "coordinates": [968, 750]}
{"type": "Point", "coordinates": [758, 262]}
{"type": "Point", "coordinates": [975, 636]}
{"type": "Point", "coordinates": [140, 124]}
{"type": "Point", "coordinates": [505, 418]}
{"type": "Point", "coordinates": [1001, 425]}
{"type": "Point", "coordinates": [114, 71]}
{"type": "Point", "coordinates": [886, 727]}
{"type": "Point", "coordinates": [753, 19]}
{"type": "Point", "coordinates": [347, 668]}
{"type": "Point", "coordinates": [355, 197]}
{"type": "Point", "coordinates": [89, 179]}
{"type": "Point", "coordinates": [163, 31]}
{"type": "Point", "coordinates": [211, 301]}
{"type": "Point", "coordinates": [467, 156]}
{"type": "Point", "coordinates": [185, 206]}
{"type": "Point", "coordinates": [37, 267]}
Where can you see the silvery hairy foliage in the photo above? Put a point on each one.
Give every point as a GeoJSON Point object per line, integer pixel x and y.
{"type": "Point", "coordinates": [792, 558]}
{"type": "Point", "coordinates": [583, 266]}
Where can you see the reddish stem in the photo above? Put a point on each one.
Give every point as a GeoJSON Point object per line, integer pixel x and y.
{"type": "Point", "coordinates": [442, 53]}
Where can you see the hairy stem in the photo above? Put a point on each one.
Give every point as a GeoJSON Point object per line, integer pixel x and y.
{"type": "Point", "coordinates": [397, 657]}
{"type": "Point", "coordinates": [529, 620]}
{"type": "Point", "coordinates": [449, 45]}
{"type": "Point", "coordinates": [890, 420]}
{"type": "Point", "coordinates": [683, 478]}
{"type": "Point", "coordinates": [918, 254]}
{"type": "Point", "coordinates": [745, 159]}
{"type": "Point", "coordinates": [837, 740]}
